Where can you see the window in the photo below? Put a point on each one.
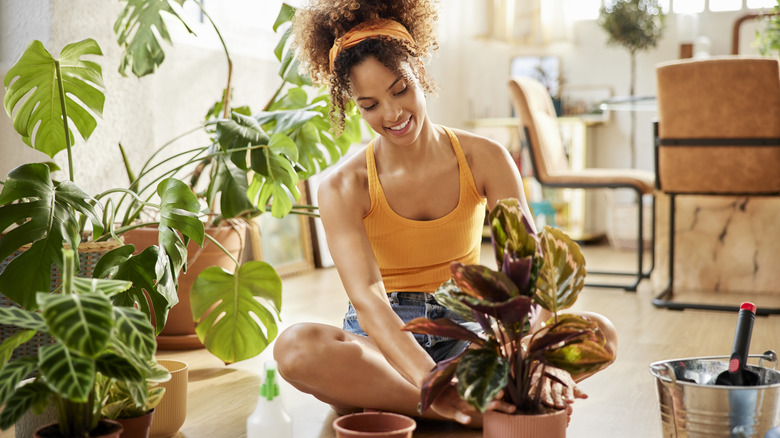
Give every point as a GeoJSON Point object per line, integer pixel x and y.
{"type": "Point", "coordinates": [759, 4]}
{"type": "Point", "coordinates": [582, 9]}
{"type": "Point", "coordinates": [725, 5]}
{"type": "Point", "coordinates": [687, 6]}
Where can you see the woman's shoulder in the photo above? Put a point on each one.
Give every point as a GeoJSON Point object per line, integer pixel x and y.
{"type": "Point", "coordinates": [346, 182]}
{"type": "Point", "coordinates": [478, 148]}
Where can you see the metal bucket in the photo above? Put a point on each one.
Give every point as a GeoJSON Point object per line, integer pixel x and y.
{"type": "Point", "coordinates": [692, 406]}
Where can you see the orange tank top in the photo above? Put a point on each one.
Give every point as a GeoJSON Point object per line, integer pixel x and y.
{"type": "Point", "coordinates": [414, 256]}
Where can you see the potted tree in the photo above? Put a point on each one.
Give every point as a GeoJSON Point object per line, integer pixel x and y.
{"type": "Point", "coordinates": [545, 270]}
{"type": "Point", "coordinates": [636, 25]}
{"type": "Point", "coordinates": [93, 339]}
{"type": "Point", "coordinates": [253, 165]}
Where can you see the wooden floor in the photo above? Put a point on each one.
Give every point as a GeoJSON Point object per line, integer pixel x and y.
{"type": "Point", "coordinates": [622, 400]}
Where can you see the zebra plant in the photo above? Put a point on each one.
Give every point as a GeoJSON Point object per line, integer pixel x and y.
{"type": "Point", "coordinates": [93, 339]}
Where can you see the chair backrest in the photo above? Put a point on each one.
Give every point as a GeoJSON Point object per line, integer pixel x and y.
{"type": "Point", "coordinates": [719, 125]}
{"type": "Point", "coordinates": [534, 108]}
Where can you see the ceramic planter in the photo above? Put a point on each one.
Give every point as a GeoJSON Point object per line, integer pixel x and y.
{"type": "Point", "coordinates": [170, 413]}
{"type": "Point", "coordinates": [105, 429]}
{"type": "Point", "coordinates": [179, 331]}
{"type": "Point", "coordinates": [136, 427]}
{"type": "Point", "coordinates": [500, 425]}
{"type": "Point", "coordinates": [374, 425]}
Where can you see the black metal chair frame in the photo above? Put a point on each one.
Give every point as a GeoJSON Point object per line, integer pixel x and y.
{"type": "Point", "coordinates": [639, 274]}
{"type": "Point", "coordinates": [665, 298]}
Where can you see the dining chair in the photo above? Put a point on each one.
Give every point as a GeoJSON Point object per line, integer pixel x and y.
{"type": "Point", "coordinates": [538, 121]}
{"type": "Point", "coordinates": [718, 134]}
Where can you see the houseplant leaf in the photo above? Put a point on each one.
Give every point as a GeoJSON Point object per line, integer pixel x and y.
{"type": "Point", "coordinates": [483, 283]}
{"type": "Point", "coordinates": [12, 342]}
{"type": "Point", "coordinates": [562, 276]}
{"type": "Point", "coordinates": [437, 380]}
{"type": "Point", "coordinates": [115, 366]}
{"type": "Point", "coordinates": [442, 327]}
{"type": "Point", "coordinates": [48, 213]}
{"type": "Point", "coordinates": [231, 185]}
{"type": "Point", "coordinates": [133, 330]}
{"type": "Point", "coordinates": [83, 322]}
{"type": "Point", "coordinates": [27, 396]}
{"type": "Point", "coordinates": [67, 373]}
{"type": "Point", "coordinates": [481, 374]}
{"type": "Point", "coordinates": [140, 30]}
{"type": "Point", "coordinates": [13, 373]}
{"type": "Point", "coordinates": [228, 329]}
{"type": "Point", "coordinates": [22, 318]}
{"type": "Point", "coordinates": [39, 119]}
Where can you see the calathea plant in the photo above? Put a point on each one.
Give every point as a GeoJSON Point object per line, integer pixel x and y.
{"type": "Point", "coordinates": [93, 340]}
{"type": "Point", "coordinates": [534, 271]}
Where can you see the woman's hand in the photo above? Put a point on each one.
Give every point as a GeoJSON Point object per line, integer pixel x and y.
{"type": "Point", "coordinates": [554, 393]}
{"type": "Point", "coordinates": [450, 405]}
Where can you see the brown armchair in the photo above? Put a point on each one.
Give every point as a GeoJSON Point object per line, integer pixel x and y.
{"type": "Point", "coordinates": [538, 122]}
{"type": "Point", "coordinates": [718, 133]}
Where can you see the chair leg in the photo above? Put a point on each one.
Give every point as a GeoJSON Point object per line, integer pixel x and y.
{"type": "Point", "coordinates": [664, 299]}
{"type": "Point", "coordinates": [639, 274]}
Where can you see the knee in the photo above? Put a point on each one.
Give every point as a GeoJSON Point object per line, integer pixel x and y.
{"type": "Point", "coordinates": [297, 348]}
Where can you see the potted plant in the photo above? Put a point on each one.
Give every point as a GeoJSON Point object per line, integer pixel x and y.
{"type": "Point", "coordinates": [131, 404]}
{"type": "Point", "coordinates": [636, 25]}
{"type": "Point", "coordinates": [768, 33]}
{"type": "Point", "coordinates": [253, 165]}
{"type": "Point", "coordinates": [93, 339]}
{"type": "Point", "coordinates": [544, 271]}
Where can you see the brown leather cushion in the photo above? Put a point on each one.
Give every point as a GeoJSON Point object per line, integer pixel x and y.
{"type": "Point", "coordinates": [719, 98]}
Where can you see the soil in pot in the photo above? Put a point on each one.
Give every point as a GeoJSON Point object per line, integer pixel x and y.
{"type": "Point", "coordinates": [105, 429]}
{"type": "Point", "coordinates": [374, 425]}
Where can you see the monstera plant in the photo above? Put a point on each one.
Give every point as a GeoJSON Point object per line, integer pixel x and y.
{"type": "Point", "coordinates": [253, 165]}
{"type": "Point", "coordinates": [93, 340]}
{"type": "Point", "coordinates": [544, 271]}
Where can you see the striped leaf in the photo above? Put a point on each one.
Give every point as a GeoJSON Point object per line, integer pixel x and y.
{"type": "Point", "coordinates": [22, 318]}
{"type": "Point", "coordinates": [24, 398]}
{"type": "Point", "coordinates": [562, 276]}
{"type": "Point", "coordinates": [482, 374]}
{"type": "Point", "coordinates": [117, 367]}
{"type": "Point", "coordinates": [13, 373]}
{"type": "Point", "coordinates": [68, 374]}
{"type": "Point", "coordinates": [10, 344]}
{"type": "Point", "coordinates": [134, 330]}
{"type": "Point", "coordinates": [99, 285]}
{"type": "Point", "coordinates": [83, 322]}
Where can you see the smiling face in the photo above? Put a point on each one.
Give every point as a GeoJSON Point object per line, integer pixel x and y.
{"type": "Point", "coordinates": [392, 105]}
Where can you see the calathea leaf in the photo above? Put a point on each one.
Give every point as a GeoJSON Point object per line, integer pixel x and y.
{"type": "Point", "coordinates": [12, 342]}
{"type": "Point", "coordinates": [21, 401]}
{"type": "Point", "coordinates": [133, 329]}
{"type": "Point", "coordinates": [511, 231]}
{"type": "Point", "coordinates": [223, 304]}
{"type": "Point", "coordinates": [39, 119]}
{"type": "Point", "coordinates": [139, 29]}
{"type": "Point", "coordinates": [437, 380]}
{"type": "Point", "coordinates": [562, 276]}
{"type": "Point", "coordinates": [13, 373]}
{"type": "Point", "coordinates": [66, 372]}
{"type": "Point", "coordinates": [481, 374]}
{"type": "Point", "coordinates": [22, 318]}
{"type": "Point", "coordinates": [117, 367]}
{"type": "Point", "coordinates": [83, 322]}
{"type": "Point", "coordinates": [441, 327]}
{"type": "Point", "coordinates": [483, 283]}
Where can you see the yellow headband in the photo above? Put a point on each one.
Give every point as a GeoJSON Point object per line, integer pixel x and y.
{"type": "Point", "coordinates": [369, 29]}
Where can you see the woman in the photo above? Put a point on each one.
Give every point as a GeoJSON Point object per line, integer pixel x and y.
{"type": "Point", "coordinates": [395, 215]}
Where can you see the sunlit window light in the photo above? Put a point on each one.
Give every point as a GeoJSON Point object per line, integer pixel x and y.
{"type": "Point", "coordinates": [760, 4]}
{"type": "Point", "coordinates": [688, 6]}
{"type": "Point", "coordinates": [725, 5]}
{"type": "Point", "coordinates": [582, 9]}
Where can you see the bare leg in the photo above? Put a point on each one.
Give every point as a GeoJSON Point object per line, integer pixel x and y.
{"type": "Point", "coordinates": [344, 370]}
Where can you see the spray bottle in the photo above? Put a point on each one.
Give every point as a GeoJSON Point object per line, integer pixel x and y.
{"type": "Point", "coordinates": [269, 418]}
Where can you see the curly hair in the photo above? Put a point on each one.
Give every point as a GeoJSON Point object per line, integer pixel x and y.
{"type": "Point", "coordinates": [317, 26]}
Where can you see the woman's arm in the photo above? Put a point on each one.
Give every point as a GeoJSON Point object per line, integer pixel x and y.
{"type": "Point", "coordinates": [342, 203]}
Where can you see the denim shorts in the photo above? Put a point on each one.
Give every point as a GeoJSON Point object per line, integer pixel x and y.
{"type": "Point", "coordinates": [410, 305]}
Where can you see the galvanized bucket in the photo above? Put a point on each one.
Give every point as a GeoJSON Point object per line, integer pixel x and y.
{"type": "Point", "coordinates": [692, 406]}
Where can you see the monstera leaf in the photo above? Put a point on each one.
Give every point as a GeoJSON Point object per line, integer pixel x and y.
{"type": "Point", "coordinates": [562, 276]}
{"type": "Point", "coordinates": [39, 118]}
{"type": "Point", "coordinates": [48, 212]}
{"type": "Point", "coordinates": [140, 28]}
{"type": "Point", "coordinates": [223, 305]}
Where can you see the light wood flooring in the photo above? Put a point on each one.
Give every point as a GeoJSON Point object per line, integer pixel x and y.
{"type": "Point", "coordinates": [622, 400]}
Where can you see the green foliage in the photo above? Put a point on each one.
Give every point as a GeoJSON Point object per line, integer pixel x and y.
{"type": "Point", "coordinates": [93, 340]}
{"type": "Point", "coordinates": [545, 270]}
{"type": "Point", "coordinates": [229, 330]}
{"type": "Point", "coordinates": [39, 117]}
{"type": "Point", "coordinates": [634, 24]}
{"type": "Point", "coordinates": [768, 33]}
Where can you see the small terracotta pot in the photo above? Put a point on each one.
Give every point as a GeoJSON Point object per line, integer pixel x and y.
{"type": "Point", "coordinates": [136, 427]}
{"type": "Point", "coordinates": [170, 413]}
{"type": "Point", "coordinates": [105, 429]}
{"type": "Point", "coordinates": [374, 425]}
{"type": "Point", "coordinates": [500, 425]}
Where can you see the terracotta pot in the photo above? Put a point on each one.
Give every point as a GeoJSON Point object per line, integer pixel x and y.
{"type": "Point", "coordinates": [500, 425]}
{"type": "Point", "coordinates": [170, 413]}
{"type": "Point", "coordinates": [374, 425]}
{"type": "Point", "coordinates": [136, 427]}
{"type": "Point", "coordinates": [179, 331]}
{"type": "Point", "coordinates": [105, 429]}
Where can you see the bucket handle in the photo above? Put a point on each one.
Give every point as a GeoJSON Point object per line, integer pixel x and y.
{"type": "Point", "coordinates": [666, 373]}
